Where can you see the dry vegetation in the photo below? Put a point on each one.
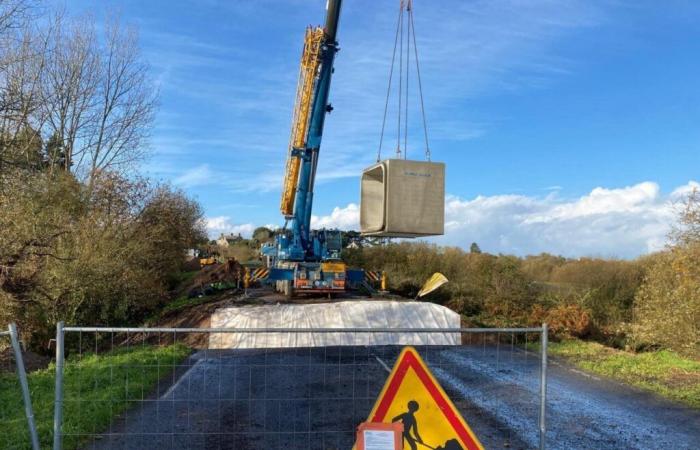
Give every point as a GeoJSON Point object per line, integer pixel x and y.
{"type": "Point", "coordinates": [667, 308]}
{"type": "Point", "coordinates": [651, 302]}
{"type": "Point", "coordinates": [84, 239]}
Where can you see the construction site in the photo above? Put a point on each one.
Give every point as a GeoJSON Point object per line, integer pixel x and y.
{"type": "Point", "coordinates": [139, 319]}
{"type": "Point", "coordinates": [399, 198]}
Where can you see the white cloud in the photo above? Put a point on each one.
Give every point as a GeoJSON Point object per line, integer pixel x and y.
{"type": "Point", "coordinates": [347, 218]}
{"type": "Point", "coordinates": [223, 224]}
{"type": "Point", "coordinates": [615, 222]}
{"type": "Point", "coordinates": [197, 176]}
{"type": "Point", "coordinates": [621, 222]}
{"type": "Point", "coordinates": [682, 191]}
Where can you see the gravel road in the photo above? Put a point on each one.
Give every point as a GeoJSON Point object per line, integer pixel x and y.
{"type": "Point", "coordinates": [313, 398]}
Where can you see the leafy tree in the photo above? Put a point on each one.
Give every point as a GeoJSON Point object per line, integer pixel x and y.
{"type": "Point", "coordinates": [474, 248]}
{"type": "Point", "coordinates": [540, 267]}
{"type": "Point", "coordinates": [262, 234]}
{"type": "Point", "coordinates": [688, 231]}
{"type": "Point", "coordinates": [104, 256]}
{"type": "Point", "coordinates": [667, 311]}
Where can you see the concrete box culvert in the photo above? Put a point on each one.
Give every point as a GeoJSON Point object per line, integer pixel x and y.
{"type": "Point", "coordinates": [402, 198]}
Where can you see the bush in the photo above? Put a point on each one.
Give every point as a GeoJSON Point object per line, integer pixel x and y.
{"type": "Point", "coordinates": [103, 254]}
{"type": "Point", "coordinates": [606, 288]}
{"type": "Point", "coordinates": [480, 284]}
{"type": "Point", "coordinates": [568, 321]}
{"type": "Point", "coordinates": [667, 313]}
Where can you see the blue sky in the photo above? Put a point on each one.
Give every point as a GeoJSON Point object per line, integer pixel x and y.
{"type": "Point", "coordinates": [567, 126]}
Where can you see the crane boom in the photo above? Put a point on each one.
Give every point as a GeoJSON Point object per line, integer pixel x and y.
{"type": "Point", "coordinates": [310, 109]}
{"type": "Point", "coordinates": [300, 119]}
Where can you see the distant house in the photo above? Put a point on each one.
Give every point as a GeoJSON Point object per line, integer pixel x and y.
{"type": "Point", "coordinates": [226, 240]}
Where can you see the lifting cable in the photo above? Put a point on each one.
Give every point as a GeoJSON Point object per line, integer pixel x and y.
{"type": "Point", "coordinates": [398, 122]}
{"type": "Point", "coordinates": [405, 6]}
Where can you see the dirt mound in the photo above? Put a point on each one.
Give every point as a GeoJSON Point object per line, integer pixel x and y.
{"type": "Point", "coordinates": [229, 272]}
{"type": "Point", "coordinates": [192, 265]}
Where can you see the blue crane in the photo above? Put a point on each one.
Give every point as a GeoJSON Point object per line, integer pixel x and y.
{"type": "Point", "coordinates": [301, 259]}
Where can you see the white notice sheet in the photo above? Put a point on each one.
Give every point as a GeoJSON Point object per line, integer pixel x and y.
{"type": "Point", "coordinates": [379, 440]}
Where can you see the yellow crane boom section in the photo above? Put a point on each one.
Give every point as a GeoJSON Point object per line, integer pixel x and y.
{"type": "Point", "coordinates": [302, 110]}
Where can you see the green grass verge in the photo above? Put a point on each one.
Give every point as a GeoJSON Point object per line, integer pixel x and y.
{"type": "Point", "coordinates": [97, 388]}
{"type": "Point", "coordinates": [663, 372]}
{"type": "Point", "coordinates": [181, 303]}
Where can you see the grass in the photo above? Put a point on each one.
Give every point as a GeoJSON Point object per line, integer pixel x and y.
{"type": "Point", "coordinates": [185, 302]}
{"type": "Point", "coordinates": [97, 388]}
{"type": "Point", "coordinates": [663, 372]}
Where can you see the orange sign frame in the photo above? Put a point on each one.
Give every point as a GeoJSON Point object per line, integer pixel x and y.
{"type": "Point", "coordinates": [397, 428]}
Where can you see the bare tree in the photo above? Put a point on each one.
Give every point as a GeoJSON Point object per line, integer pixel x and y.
{"type": "Point", "coordinates": [22, 63]}
{"type": "Point", "coordinates": [85, 97]}
{"type": "Point", "coordinates": [17, 49]}
{"type": "Point", "coordinates": [125, 104]}
{"type": "Point", "coordinates": [69, 86]}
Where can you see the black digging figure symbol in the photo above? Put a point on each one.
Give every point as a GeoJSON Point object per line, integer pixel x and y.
{"type": "Point", "coordinates": [410, 430]}
{"type": "Point", "coordinates": [410, 425]}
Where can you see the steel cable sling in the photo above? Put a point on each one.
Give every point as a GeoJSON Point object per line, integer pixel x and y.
{"type": "Point", "coordinates": [405, 6]}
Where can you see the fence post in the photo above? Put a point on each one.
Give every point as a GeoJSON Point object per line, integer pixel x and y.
{"type": "Point", "coordinates": [22, 375]}
{"type": "Point", "coordinates": [58, 401]}
{"type": "Point", "coordinates": [543, 388]}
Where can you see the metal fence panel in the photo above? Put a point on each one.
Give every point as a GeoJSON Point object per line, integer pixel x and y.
{"type": "Point", "coordinates": [163, 388]}
{"type": "Point", "coordinates": [10, 418]}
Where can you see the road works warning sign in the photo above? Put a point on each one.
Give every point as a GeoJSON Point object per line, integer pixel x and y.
{"type": "Point", "coordinates": [413, 397]}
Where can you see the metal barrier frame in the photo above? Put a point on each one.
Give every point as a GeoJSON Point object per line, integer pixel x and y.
{"type": "Point", "coordinates": [61, 329]}
{"type": "Point", "coordinates": [22, 376]}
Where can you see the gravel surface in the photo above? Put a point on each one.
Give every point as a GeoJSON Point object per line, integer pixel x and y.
{"type": "Point", "coordinates": [314, 398]}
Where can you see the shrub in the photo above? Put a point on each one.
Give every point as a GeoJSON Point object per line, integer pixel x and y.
{"type": "Point", "coordinates": [667, 312]}
{"type": "Point", "coordinates": [606, 288]}
{"type": "Point", "coordinates": [103, 254]}
{"type": "Point", "coordinates": [569, 321]}
{"type": "Point", "coordinates": [479, 283]}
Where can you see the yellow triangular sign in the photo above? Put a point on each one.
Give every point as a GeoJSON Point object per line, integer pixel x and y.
{"type": "Point", "coordinates": [434, 282]}
{"type": "Point", "coordinates": [413, 396]}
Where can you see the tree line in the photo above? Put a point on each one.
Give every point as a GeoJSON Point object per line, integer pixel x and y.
{"type": "Point", "coordinates": [84, 238]}
{"type": "Point", "coordinates": [649, 302]}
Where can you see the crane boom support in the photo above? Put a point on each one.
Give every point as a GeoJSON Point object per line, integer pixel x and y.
{"type": "Point", "coordinates": [308, 72]}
